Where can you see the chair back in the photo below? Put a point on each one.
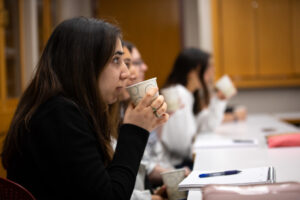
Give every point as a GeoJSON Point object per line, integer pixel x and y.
{"type": "Point", "coordinates": [10, 190]}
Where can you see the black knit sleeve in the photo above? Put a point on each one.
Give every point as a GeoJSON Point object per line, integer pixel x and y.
{"type": "Point", "coordinates": [71, 150]}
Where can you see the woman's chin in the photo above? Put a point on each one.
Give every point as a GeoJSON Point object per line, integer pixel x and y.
{"type": "Point", "coordinates": [112, 100]}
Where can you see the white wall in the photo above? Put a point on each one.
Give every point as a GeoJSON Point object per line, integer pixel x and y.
{"type": "Point", "coordinates": [276, 100]}
{"type": "Point", "coordinates": [198, 33]}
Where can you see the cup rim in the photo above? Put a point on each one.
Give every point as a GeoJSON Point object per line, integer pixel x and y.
{"type": "Point", "coordinates": [224, 78]}
{"type": "Point", "coordinates": [148, 80]}
{"type": "Point", "coordinates": [173, 171]}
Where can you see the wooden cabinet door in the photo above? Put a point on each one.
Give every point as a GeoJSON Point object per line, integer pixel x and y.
{"type": "Point", "coordinates": [238, 39]}
{"type": "Point", "coordinates": [10, 65]}
{"type": "Point", "coordinates": [274, 37]}
{"type": "Point", "coordinates": [153, 26]}
{"type": "Point", "coordinates": [296, 35]}
{"type": "Point", "coordinates": [257, 42]}
{"type": "Point", "coordinates": [3, 114]}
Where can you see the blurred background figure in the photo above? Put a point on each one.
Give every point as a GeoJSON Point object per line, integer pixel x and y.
{"type": "Point", "coordinates": [149, 168]}
{"type": "Point", "coordinates": [192, 78]}
{"type": "Point", "coordinates": [138, 63]}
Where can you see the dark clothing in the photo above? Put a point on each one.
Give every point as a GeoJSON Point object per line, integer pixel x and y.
{"type": "Point", "coordinates": [62, 158]}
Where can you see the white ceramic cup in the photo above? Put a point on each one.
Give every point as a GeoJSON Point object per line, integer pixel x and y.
{"type": "Point", "coordinates": [171, 179]}
{"type": "Point", "coordinates": [225, 85]}
{"type": "Point", "coordinates": [171, 98]}
{"type": "Point", "coordinates": [138, 91]}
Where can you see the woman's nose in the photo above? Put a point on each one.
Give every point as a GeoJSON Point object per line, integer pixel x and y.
{"type": "Point", "coordinates": [124, 72]}
{"type": "Point", "coordinates": [133, 74]}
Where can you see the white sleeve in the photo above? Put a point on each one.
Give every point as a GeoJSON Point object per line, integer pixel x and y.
{"type": "Point", "coordinates": [178, 131]}
{"type": "Point", "coordinates": [140, 195]}
{"type": "Point", "coordinates": [210, 118]}
{"type": "Point", "coordinates": [148, 161]}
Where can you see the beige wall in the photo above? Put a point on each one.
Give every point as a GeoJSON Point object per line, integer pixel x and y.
{"type": "Point", "coordinates": [30, 41]}
{"type": "Point", "coordinates": [66, 9]}
{"type": "Point", "coordinates": [191, 30]}
{"type": "Point", "coordinates": [197, 24]}
{"type": "Point", "coordinates": [276, 100]}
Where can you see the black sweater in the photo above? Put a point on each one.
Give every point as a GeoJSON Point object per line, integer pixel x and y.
{"type": "Point", "coordinates": [62, 158]}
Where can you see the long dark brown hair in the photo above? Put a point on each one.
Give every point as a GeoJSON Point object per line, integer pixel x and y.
{"type": "Point", "coordinates": [187, 60]}
{"type": "Point", "coordinates": [71, 63]}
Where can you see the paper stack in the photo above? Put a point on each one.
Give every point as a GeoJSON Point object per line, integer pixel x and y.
{"type": "Point", "coordinates": [199, 179]}
{"type": "Point", "coordinates": [221, 142]}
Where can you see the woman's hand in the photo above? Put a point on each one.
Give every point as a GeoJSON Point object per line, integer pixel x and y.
{"type": "Point", "coordinates": [240, 113]}
{"type": "Point", "coordinates": [160, 193]}
{"type": "Point", "coordinates": [220, 95]}
{"type": "Point", "coordinates": [149, 113]}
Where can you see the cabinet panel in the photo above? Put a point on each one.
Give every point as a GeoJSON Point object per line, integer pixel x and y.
{"type": "Point", "coordinates": [257, 42]}
{"type": "Point", "coordinates": [238, 44]}
{"type": "Point", "coordinates": [10, 65]}
{"type": "Point", "coordinates": [153, 25]}
{"type": "Point", "coordinates": [274, 37]}
{"type": "Point", "coordinates": [296, 35]}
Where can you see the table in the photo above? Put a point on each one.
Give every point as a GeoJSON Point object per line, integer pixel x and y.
{"type": "Point", "coordinates": [285, 160]}
{"type": "Point", "coordinates": [290, 117]}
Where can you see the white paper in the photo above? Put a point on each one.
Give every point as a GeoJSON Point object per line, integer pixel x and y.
{"type": "Point", "coordinates": [245, 177]}
{"type": "Point", "coordinates": [224, 143]}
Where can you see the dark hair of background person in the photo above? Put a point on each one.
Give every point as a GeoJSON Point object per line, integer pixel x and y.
{"type": "Point", "coordinates": [190, 59]}
{"type": "Point", "coordinates": [71, 63]}
{"type": "Point", "coordinates": [128, 44]}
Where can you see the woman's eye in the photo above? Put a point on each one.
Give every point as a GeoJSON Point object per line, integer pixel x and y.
{"type": "Point", "coordinates": [116, 60]}
{"type": "Point", "coordinates": [127, 64]}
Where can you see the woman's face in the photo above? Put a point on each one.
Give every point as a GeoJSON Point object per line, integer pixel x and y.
{"type": "Point", "coordinates": [133, 73]}
{"type": "Point", "coordinates": [113, 78]}
{"type": "Point", "coordinates": [139, 64]}
{"type": "Point", "coordinates": [210, 72]}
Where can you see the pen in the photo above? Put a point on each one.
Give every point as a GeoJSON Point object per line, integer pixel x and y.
{"type": "Point", "coordinates": [224, 173]}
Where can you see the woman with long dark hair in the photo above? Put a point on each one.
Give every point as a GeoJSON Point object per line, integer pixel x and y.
{"type": "Point", "coordinates": [192, 79]}
{"type": "Point", "coordinates": [59, 142]}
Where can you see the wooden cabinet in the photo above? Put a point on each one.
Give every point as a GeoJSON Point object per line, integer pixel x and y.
{"type": "Point", "coordinates": [11, 66]}
{"type": "Point", "coordinates": [153, 26]}
{"type": "Point", "coordinates": [296, 35]}
{"type": "Point", "coordinates": [257, 42]}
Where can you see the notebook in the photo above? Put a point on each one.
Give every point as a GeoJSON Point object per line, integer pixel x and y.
{"type": "Point", "coordinates": [224, 143]}
{"type": "Point", "coordinates": [247, 176]}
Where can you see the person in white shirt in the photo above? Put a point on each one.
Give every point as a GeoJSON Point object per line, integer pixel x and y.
{"type": "Point", "coordinates": [202, 110]}
{"type": "Point", "coordinates": [147, 166]}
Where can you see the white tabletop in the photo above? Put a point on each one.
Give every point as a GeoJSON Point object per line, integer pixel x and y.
{"type": "Point", "coordinates": [287, 115]}
{"type": "Point", "coordinates": [257, 125]}
{"type": "Point", "coordinates": [286, 161]}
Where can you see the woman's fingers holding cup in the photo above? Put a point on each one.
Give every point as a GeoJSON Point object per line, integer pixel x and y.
{"type": "Point", "coordinates": [157, 104]}
{"type": "Point", "coordinates": [161, 110]}
{"type": "Point", "coordinates": [162, 119]}
{"type": "Point", "coordinates": [148, 98]}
